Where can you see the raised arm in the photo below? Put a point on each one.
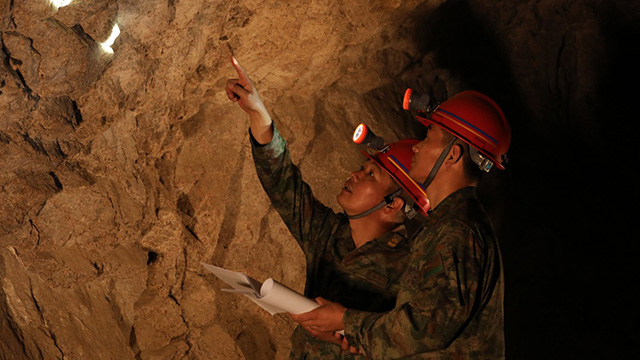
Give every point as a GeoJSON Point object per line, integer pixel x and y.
{"type": "Point", "coordinates": [243, 91]}
{"type": "Point", "coordinates": [305, 217]}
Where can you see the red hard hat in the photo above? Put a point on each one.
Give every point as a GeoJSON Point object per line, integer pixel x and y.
{"type": "Point", "coordinates": [477, 120]}
{"type": "Point", "coordinates": [396, 161]}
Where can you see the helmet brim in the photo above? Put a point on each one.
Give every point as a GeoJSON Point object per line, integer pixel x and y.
{"type": "Point", "coordinates": [435, 121]}
{"type": "Point", "coordinates": [400, 176]}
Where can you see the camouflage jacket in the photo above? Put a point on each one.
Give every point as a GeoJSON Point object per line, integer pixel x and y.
{"type": "Point", "coordinates": [450, 303]}
{"type": "Point", "coordinates": [364, 278]}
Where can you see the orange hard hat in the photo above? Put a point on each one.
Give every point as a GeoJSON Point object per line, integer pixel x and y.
{"type": "Point", "coordinates": [395, 160]}
{"type": "Point", "coordinates": [475, 119]}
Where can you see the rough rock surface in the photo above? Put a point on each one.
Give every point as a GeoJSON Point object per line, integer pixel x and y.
{"type": "Point", "coordinates": [120, 172]}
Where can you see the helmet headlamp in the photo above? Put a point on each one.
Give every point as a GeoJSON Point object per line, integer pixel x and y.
{"type": "Point", "coordinates": [364, 135]}
{"type": "Point", "coordinates": [471, 117]}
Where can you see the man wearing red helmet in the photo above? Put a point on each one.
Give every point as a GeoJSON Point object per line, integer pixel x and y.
{"type": "Point", "coordinates": [450, 302]}
{"type": "Point", "coordinates": [353, 258]}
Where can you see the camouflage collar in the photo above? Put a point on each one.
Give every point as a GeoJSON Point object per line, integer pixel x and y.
{"type": "Point", "coordinates": [393, 238]}
{"type": "Point", "coordinates": [451, 202]}
{"type": "Point", "coordinates": [389, 240]}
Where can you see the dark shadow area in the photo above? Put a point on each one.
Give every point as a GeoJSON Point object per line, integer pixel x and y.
{"type": "Point", "coordinates": [616, 111]}
{"type": "Point", "coordinates": [466, 47]}
{"type": "Point", "coordinates": [559, 208]}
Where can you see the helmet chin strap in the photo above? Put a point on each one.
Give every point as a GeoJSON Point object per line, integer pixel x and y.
{"type": "Point", "coordinates": [436, 166]}
{"type": "Point", "coordinates": [387, 200]}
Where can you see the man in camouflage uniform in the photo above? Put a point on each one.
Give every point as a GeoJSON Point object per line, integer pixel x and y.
{"type": "Point", "coordinates": [450, 303]}
{"type": "Point", "coordinates": [355, 261]}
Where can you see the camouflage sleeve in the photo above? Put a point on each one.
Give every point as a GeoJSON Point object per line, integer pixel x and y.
{"type": "Point", "coordinates": [289, 194]}
{"type": "Point", "coordinates": [435, 299]}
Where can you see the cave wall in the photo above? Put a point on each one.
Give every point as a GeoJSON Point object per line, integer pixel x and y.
{"type": "Point", "coordinates": [121, 172]}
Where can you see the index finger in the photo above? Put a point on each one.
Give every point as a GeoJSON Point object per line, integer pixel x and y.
{"type": "Point", "coordinates": [242, 75]}
{"type": "Point", "coordinates": [321, 300]}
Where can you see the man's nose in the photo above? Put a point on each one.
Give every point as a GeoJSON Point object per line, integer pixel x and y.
{"type": "Point", "coordinates": [355, 175]}
{"type": "Point", "coordinates": [415, 148]}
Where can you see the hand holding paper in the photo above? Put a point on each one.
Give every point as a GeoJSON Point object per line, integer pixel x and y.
{"type": "Point", "coordinates": [271, 296]}
{"type": "Point", "coordinates": [327, 317]}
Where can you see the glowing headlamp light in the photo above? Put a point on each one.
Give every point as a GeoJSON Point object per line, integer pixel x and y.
{"type": "Point", "coordinates": [364, 135]}
{"type": "Point", "coordinates": [415, 101]}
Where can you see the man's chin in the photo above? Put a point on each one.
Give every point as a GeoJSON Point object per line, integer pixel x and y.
{"type": "Point", "coordinates": [340, 198]}
{"type": "Point", "coordinates": [417, 177]}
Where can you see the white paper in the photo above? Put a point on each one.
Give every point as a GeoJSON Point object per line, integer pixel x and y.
{"type": "Point", "coordinates": [238, 281]}
{"type": "Point", "coordinates": [271, 296]}
{"type": "Point", "coordinates": [287, 300]}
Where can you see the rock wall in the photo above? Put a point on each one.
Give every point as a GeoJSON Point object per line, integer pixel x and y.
{"type": "Point", "coordinates": [122, 171]}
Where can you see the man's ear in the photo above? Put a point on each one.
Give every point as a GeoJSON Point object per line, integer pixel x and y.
{"type": "Point", "coordinates": [455, 154]}
{"type": "Point", "coordinates": [396, 205]}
